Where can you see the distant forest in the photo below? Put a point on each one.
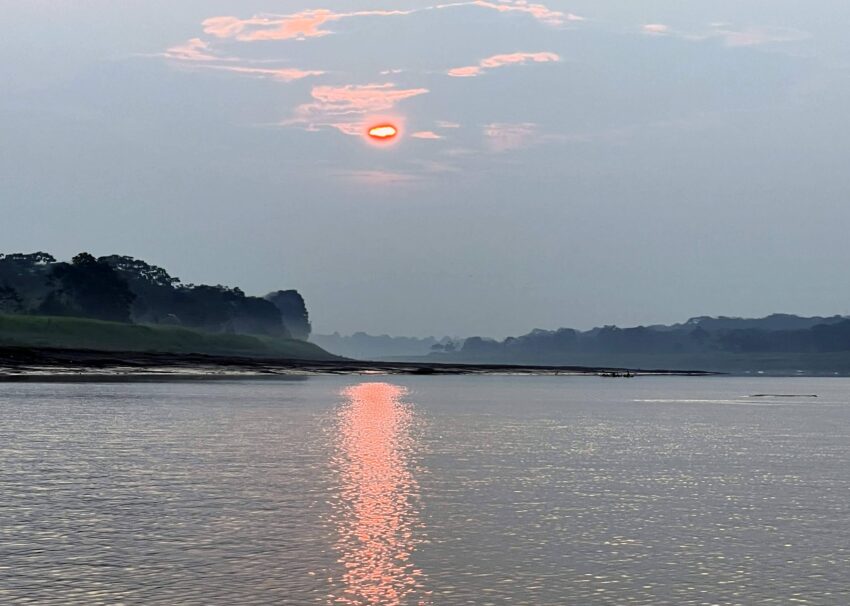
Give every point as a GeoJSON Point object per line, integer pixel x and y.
{"type": "Point", "coordinates": [381, 347]}
{"type": "Point", "coordinates": [123, 289]}
{"type": "Point", "coordinates": [706, 341]}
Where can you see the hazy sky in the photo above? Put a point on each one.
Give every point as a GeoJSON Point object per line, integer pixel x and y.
{"type": "Point", "coordinates": [560, 164]}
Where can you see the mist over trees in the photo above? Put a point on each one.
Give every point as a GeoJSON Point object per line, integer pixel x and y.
{"type": "Point", "coordinates": [701, 339]}
{"type": "Point", "coordinates": [124, 289]}
{"type": "Point", "coordinates": [363, 346]}
{"type": "Point", "coordinates": [293, 311]}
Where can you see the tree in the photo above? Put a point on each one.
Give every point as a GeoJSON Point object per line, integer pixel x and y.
{"type": "Point", "coordinates": [90, 288]}
{"type": "Point", "coordinates": [154, 288]}
{"type": "Point", "coordinates": [10, 301]}
{"type": "Point", "coordinates": [139, 271]}
{"type": "Point", "coordinates": [293, 311]}
{"type": "Point", "coordinates": [29, 275]}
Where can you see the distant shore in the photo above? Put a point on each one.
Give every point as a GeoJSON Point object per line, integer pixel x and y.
{"type": "Point", "coordinates": [68, 365]}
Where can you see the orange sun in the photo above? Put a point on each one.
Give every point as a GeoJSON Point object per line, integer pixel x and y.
{"type": "Point", "coordinates": [383, 132]}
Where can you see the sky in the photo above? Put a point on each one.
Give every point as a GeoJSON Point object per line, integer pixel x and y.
{"type": "Point", "coordinates": [558, 164]}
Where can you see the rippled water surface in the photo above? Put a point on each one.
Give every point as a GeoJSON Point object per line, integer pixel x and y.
{"type": "Point", "coordinates": [427, 491]}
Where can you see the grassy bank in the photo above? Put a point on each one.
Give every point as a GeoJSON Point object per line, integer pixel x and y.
{"type": "Point", "coordinates": [82, 333]}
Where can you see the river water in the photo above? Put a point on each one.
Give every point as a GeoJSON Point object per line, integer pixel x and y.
{"type": "Point", "coordinates": [441, 491]}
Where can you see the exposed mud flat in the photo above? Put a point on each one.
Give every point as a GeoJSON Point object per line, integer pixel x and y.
{"type": "Point", "coordinates": [46, 364]}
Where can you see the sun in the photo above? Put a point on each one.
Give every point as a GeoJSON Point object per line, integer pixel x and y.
{"type": "Point", "coordinates": [382, 132]}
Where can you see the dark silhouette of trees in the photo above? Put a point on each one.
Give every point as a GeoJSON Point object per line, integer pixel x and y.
{"type": "Point", "coordinates": [90, 288]}
{"type": "Point", "coordinates": [10, 300]}
{"type": "Point", "coordinates": [153, 286]}
{"type": "Point", "coordinates": [161, 298]}
{"type": "Point", "coordinates": [293, 311]}
{"type": "Point", "coordinates": [28, 276]}
{"type": "Point", "coordinates": [124, 289]}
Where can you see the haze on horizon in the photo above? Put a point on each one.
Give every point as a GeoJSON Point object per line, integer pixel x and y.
{"type": "Point", "coordinates": [560, 163]}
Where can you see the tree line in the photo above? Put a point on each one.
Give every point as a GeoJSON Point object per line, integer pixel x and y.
{"type": "Point", "coordinates": [777, 333]}
{"type": "Point", "coordinates": [124, 289]}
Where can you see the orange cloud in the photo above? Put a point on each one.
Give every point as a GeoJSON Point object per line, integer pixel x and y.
{"type": "Point", "coordinates": [362, 98]}
{"type": "Point", "coordinates": [287, 74]}
{"type": "Point", "coordinates": [299, 26]}
{"type": "Point", "coordinates": [346, 107]}
{"type": "Point", "coordinates": [425, 134]}
{"type": "Point", "coordinates": [198, 54]}
{"type": "Point", "coordinates": [500, 61]}
{"type": "Point", "coordinates": [538, 11]}
{"type": "Point", "coordinates": [467, 71]}
{"type": "Point", "coordinates": [311, 23]}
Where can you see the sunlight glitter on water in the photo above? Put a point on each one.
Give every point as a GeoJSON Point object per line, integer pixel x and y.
{"type": "Point", "coordinates": [375, 510]}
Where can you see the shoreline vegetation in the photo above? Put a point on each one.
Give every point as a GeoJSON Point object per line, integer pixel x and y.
{"type": "Point", "coordinates": [48, 348]}
{"type": "Point", "coordinates": [73, 333]}
{"type": "Point", "coordinates": [37, 364]}
{"type": "Point", "coordinates": [122, 304]}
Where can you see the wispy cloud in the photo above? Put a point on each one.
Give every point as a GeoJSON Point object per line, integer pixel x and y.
{"type": "Point", "coordinates": [502, 137]}
{"type": "Point", "coordinates": [380, 177]}
{"type": "Point", "coordinates": [732, 36]}
{"type": "Point", "coordinates": [313, 23]}
{"type": "Point", "coordinates": [284, 74]}
{"type": "Point", "coordinates": [496, 61]}
{"type": "Point", "coordinates": [346, 107]}
{"type": "Point", "coordinates": [198, 55]}
{"type": "Point", "coordinates": [425, 134]}
{"type": "Point", "coordinates": [540, 12]}
{"type": "Point", "coordinates": [191, 50]}
{"type": "Point", "coordinates": [656, 29]}
{"type": "Point", "coordinates": [299, 26]}
{"type": "Point", "coordinates": [756, 36]}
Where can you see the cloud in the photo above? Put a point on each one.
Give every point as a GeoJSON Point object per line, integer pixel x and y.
{"type": "Point", "coordinates": [425, 134]}
{"type": "Point", "coordinates": [731, 37]}
{"type": "Point", "coordinates": [500, 61]}
{"type": "Point", "coordinates": [312, 23]}
{"type": "Point", "coordinates": [757, 36]}
{"type": "Point", "coordinates": [379, 177]}
{"type": "Point", "coordinates": [192, 50]}
{"type": "Point", "coordinates": [467, 71]}
{"type": "Point", "coordinates": [538, 11]}
{"type": "Point", "coordinates": [285, 74]}
{"type": "Point", "coordinates": [198, 54]}
{"type": "Point", "coordinates": [345, 107]}
{"type": "Point", "coordinates": [298, 26]}
{"type": "Point", "coordinates": [502, 137]}
{"type": "Point", "coordinates": [656, 29]}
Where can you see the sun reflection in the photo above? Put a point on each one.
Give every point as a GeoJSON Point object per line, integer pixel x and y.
{"type": "Point", "coordinates": [376, 516]}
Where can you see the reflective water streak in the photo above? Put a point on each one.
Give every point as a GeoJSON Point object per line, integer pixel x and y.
{"type": "Point", "coordinates": [375, 512]}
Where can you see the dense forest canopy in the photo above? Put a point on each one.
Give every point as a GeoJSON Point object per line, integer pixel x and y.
{"type": "Point", "coordinates": [774, 334]}
{"type": "Point", "coordinates": [125, 289]}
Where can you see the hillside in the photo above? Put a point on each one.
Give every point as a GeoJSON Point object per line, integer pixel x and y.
{"type": "Point", "coordinates": [83, 333]}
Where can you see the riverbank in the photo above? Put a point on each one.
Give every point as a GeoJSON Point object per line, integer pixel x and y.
{"type": "Point", "coordinates": [70, 333]}
{"type": "Point", "coordinates": [55, 364]}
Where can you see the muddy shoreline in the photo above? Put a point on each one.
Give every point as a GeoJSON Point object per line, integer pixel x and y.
{"type": "Point", "coordinates": [49, 364]}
